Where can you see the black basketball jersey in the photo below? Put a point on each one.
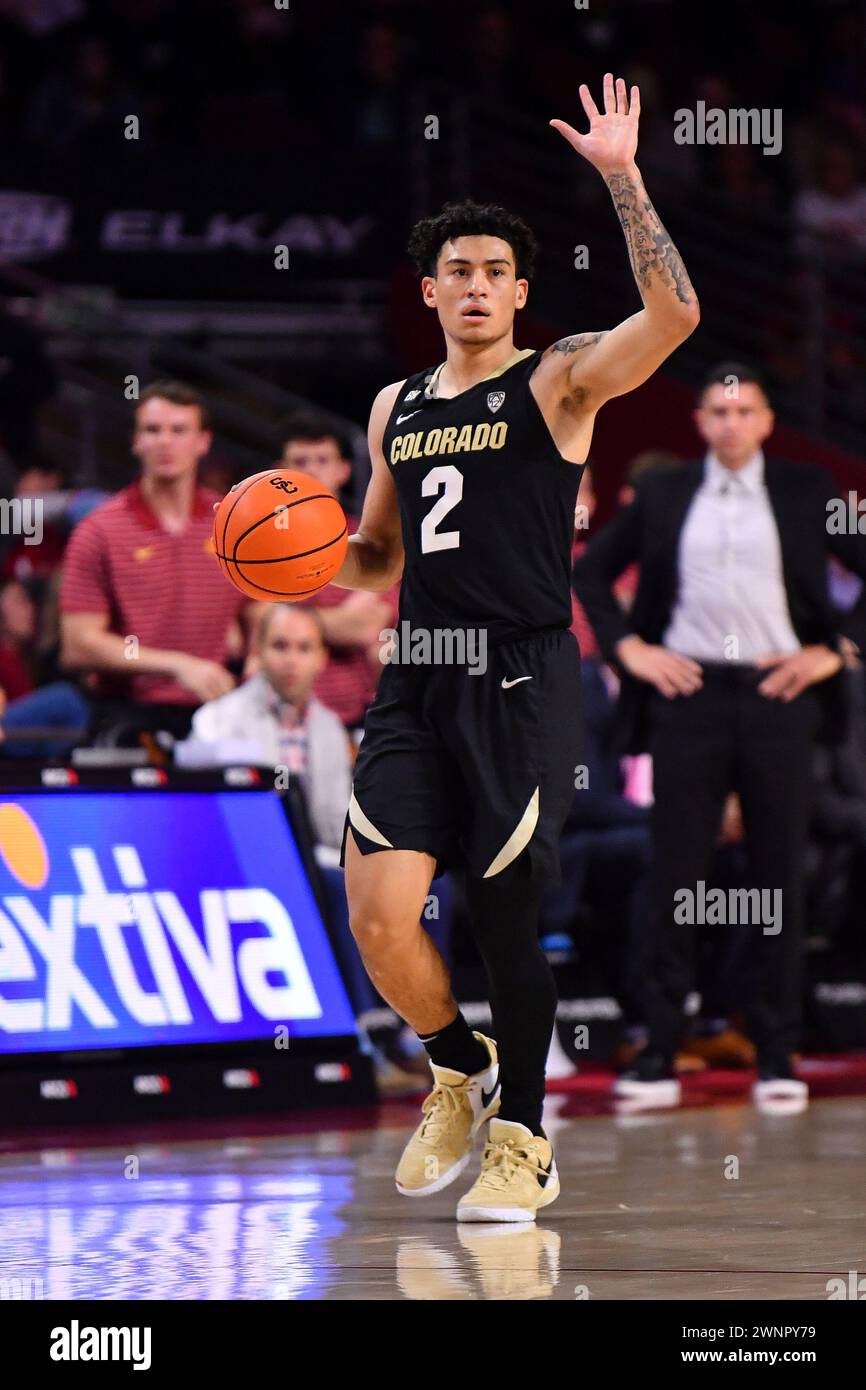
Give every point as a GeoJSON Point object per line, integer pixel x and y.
{"type": "Point", "coordinates": [487, 506]}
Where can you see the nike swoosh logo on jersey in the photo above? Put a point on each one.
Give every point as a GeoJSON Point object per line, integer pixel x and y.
{"type": "Point", "coordinates": [401, 418]}
{"type": "Point", "coordinates": [506, 685]}
{"type": "Point", "coordinates": [487, 1096]}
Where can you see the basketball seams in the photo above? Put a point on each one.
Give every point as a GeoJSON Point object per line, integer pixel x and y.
{"type": "Point", "coordinates": [279, 559]}
{"type": "Point", "coordinates": [251, 483]}
{"type": "Point", "coordinates": [284, 507]}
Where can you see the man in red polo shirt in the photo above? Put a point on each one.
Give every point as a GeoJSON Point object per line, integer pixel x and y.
{"type": "Point", "coordinates": [143, 603]}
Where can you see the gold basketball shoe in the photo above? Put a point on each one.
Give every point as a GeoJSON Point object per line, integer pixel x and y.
{"type": "Point", "coordinates": [518, 1176]}
{"type": "Point", "coordinates": [453, 1113]}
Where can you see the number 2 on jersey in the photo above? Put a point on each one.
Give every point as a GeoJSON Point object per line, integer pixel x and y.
{"type": "Point", "coordinates": [449, 481]}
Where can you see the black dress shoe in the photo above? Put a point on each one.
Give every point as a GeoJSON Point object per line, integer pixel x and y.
{"type": "Point", "coordinates": [650, 1078]}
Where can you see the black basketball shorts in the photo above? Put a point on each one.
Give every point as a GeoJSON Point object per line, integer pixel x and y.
{"type": "Point", "coordinates": [473, 768]}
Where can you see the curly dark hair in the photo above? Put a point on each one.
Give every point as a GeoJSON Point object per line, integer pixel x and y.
{"type": "Point", "coordinates": [472, 219]}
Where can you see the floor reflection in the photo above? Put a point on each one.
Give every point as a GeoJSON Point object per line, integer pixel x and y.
{"type": "Point", "coordinates": [722, 1202]}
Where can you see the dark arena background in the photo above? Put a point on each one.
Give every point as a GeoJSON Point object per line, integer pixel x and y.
{"type": "Point", "coordinates": [203, 1096]}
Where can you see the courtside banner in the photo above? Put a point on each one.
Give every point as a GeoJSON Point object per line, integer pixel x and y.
{"type": "Point", "coordinates": [130, 919]}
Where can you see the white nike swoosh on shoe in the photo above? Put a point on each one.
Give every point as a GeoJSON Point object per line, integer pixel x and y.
{"type": "Point", "coordinates": [506, 685]}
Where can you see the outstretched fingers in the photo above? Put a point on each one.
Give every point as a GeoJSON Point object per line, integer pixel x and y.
{"type": "Point", "coordinates": [589, 105]}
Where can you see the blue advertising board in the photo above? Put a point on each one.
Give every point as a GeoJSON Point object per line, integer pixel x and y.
{"type": "Point", "coordinates": [132, 919]}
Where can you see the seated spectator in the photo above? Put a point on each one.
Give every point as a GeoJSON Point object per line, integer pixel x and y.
{"type": "Point", "coordinates": [276, 712]}
{"type": "Point", "coordinates": [143, 603]}
{"type": "Point", "coordinates": [62, 505]}
{"type": "Point", "coordinates": [374, 103]}
{"type": "Point", "coordinates": [286, 726]}
{"type": "Point", "coordinates": [73, 111]}
{"type": "Point", "coordinates": [18, 623]}
{"type": "Point", "coordinates": [831, 213]}
{"type": "Point", "coordinates": [36, 550]}
{"type": "Point", "coordinates": [27, 659]}
{"type": "Point", "coordinates": [351, 618]}
{"type": "Point", "coordinates": [40, 476]}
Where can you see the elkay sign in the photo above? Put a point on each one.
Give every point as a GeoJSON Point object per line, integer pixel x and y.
{"type": "Point", "coordinates": [36, 226]}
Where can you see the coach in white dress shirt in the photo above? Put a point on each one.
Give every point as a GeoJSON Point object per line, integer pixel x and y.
{"type": "Point", "coordinates": [730, 665]}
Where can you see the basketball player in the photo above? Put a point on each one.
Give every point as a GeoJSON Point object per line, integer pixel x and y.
{"type": "Point", "coordinates": [476, 467]}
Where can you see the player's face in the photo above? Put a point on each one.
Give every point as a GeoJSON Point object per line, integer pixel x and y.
{"type": "Point", "coordinates": [475, 290]}
{"type": "Point", "coordinates": [734, 428]}
{"type": "Point", "coordinates": [168, 439]}
{"type": "Point", "coordinates": [321, 458]}
{"type": "Point", "coordinates": [292, 653]}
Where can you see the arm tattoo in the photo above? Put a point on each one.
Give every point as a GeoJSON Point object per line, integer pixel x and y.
{"type": "Point", "coordinates": [577, 395]}
{"type": "Point", "coordinates": [576, 343]}
{"type": "Point", "coordinates": [652, 254]}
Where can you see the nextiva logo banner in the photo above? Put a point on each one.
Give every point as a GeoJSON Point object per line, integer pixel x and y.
{"type": "Point", "coordinates": [138, 918]}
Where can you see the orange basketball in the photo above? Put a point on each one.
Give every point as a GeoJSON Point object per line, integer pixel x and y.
{"type": "Point", "coordinates": [280, 536]}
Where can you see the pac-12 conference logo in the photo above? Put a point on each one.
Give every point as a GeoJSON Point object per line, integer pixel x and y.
{"type": "Point", "coordinates": [83, 963]}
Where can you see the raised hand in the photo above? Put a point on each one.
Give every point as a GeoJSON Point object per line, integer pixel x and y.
{"type": "Point", "coordinates": [611, 142]}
